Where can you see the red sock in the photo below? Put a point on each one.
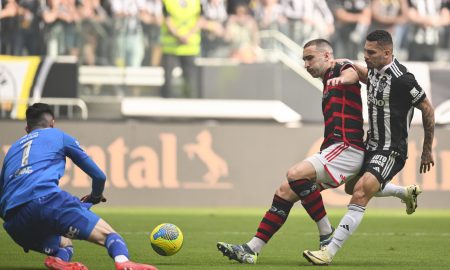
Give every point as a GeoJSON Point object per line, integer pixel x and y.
{"type": "Point", "coordinates": [311, 198]}
{"type": "Point", "coordinates": [274, 218]}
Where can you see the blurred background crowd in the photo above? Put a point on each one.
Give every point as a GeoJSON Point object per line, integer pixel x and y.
{"type": "Point", "coordinates": [128, 32]}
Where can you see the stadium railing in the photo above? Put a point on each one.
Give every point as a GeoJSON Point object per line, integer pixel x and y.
{"type": "Point", "coordinates": [57, 103]}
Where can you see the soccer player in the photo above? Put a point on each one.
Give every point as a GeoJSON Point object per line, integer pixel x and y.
{"type": "Point", "coordinates": [39, 215]}
{"type": "Point", "coordinates": [392, 93]}
{"type": "Point", "coordinates": [339, 160]}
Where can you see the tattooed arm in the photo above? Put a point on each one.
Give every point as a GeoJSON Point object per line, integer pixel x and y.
{"type": "Point", "coordinates": [428, 127]}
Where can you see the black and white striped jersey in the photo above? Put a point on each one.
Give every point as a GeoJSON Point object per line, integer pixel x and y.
{"type": "Point", "coordinates": [392, 93]}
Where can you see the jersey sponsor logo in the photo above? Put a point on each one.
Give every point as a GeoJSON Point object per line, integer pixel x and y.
{"type": "Point", "coordinates": [378, 160]}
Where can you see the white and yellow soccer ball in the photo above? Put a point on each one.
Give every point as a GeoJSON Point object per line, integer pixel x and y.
{"type": "Point", "coordinates": [166, 239]}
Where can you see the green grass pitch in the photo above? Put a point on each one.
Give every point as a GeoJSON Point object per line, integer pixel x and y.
{"type": "Point", "coordinates": [386, 239]}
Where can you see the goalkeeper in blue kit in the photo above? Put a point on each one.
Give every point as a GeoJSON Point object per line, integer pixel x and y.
{"type": "Point", "coordinates": [37, 214]}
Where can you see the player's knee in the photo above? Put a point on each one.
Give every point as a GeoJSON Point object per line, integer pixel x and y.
{"type": "Point", "coordinates": [364, 190]}
{"type": "Point", "coordinates": [358, 196]}
{"type": "Point", "coordinates": [65, 242]}
{"type": "Point", "coordinates": [100, 232]}
{"type": "Point", "coordinates": [293, 174]}
{"type": "Point", "coordinates": [284, 191]}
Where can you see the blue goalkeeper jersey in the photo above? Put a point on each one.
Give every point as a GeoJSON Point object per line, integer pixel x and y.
{"type": "Point", "coordinates": [35, 163]}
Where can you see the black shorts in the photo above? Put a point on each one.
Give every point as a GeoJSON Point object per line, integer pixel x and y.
{"type": "Point", "coordinates": [384, 164]}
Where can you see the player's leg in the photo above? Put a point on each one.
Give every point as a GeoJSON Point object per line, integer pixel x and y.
{"type": "Point", "coordinates": [407, 194]}
{"type": "Point", "coordinates": [333, 166]}
{"type": "Point", "coordinates": [75, 221]}
{"type": "Point", "coordinates": [272, 221]}
{"type": "Point", "coordinates": [103, 234]}
{"type": "Point", "coordinates": [61, 256]}
{"type": "Point", "coordinates": [302, 181]}
{"type": "Point", "coordinates": [31, 231]}
{"type": "Point", "coordinates": [376, 175]}
{"type": "Point", "coordinates": [364, 190]}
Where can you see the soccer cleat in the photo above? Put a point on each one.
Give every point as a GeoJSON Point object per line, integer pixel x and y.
{"type": "Point", "coordinates": [411, 198]}
{"type": "Point", "coordinates": [319, 257]}
{"type": "Point", "coordinates": [55, 263]}
{"type": "Point", "coordinates": [129, 265]}
{"type": "Point", "coordinates": [326, 239]}
{"type": "Point", "coordinates": [240, 253]}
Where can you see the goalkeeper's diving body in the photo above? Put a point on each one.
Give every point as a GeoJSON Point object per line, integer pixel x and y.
{"type": "Point", "coordinates": [38, 215]}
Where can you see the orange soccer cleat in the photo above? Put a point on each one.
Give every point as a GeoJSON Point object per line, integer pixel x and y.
{"type": "Point", "coordinates": [129, 265]}
{"type": "Point", "coordinates": [55, 263]}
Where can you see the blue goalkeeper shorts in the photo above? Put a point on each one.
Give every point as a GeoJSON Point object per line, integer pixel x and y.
{"type": "Point", "coordinates": [39, 224]}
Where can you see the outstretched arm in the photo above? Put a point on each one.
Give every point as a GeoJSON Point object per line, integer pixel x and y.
{"type": "Point", "coordinates": [362, 71]}
{"type": "Point", "coordinates": [428, 127]}
{"type": "Point", "coordinates": [348, 76]}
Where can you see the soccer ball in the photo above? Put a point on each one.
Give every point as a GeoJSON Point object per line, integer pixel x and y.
{"type": "Point", "coordinates": [166, 239]}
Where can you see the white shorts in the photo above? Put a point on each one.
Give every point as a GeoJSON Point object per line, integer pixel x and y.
{"type": "Point", "coordinates": [336, 164]}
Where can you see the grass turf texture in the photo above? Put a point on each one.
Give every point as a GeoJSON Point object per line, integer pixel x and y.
{"type": "Point", "coordinates": [386, 239]}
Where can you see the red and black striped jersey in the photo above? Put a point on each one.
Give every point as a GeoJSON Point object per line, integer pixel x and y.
{"type": "Point", "coordinates": [342, 110]}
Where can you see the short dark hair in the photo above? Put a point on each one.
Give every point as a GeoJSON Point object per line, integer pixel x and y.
{"type": "Point", "coordinates": [36, 115]}
{"type": "Point", "coordinates": [319, 43]}
{"type": "Point", "coordinates": [382, 37]}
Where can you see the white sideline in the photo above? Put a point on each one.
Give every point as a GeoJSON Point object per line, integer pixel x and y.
{"type": "Point", "coordinates": [209, 108]}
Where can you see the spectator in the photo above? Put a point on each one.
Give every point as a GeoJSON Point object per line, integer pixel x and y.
{"type": "Point", "coordinates": [269, 15]}
{"type": "Point", "coordinates": [352, 21]}
{"type": "Point", "coordinates": [427, 18]}
{"type": "Point", "coordinates": [151, 18]}
{"type": "Point", "coordinates": [213, 30]}
{"type": "Point", "coordinates": [242, 33]}
{"type": "Point", "coordinates": [180, 38]}
{"type": "Point", "coordinates": [28, 38]}
{"type": "Point", "coordinates": [128, 44]}
{"type": "Point", "coordinates": [60, 17]}
{"type": "Point", "coordinates": [93, 17]}
{"type": "Point", "coordinates": [323, 20]}
{"type": "Point", "coordinates": [231, 5]}
{"type": "Point", "coordinates": [300, 23]}
{"type": "Point", "coordinates": [388, 14]}
{"type": "Point", "coordinates": [8, 26]}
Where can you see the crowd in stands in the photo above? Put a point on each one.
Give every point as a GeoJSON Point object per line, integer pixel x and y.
{"type": "Point", "coordinates": [127, 32]}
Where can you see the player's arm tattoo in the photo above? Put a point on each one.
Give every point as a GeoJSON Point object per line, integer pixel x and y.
{"type": "Point", "coordinates": [428, 124]}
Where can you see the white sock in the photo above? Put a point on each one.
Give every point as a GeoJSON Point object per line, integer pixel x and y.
{"type": "Point", "coordinates": [349, 223]}
{"type": "Point", "coordinates": [391, 190]}
{"type": "Point", "coordinates": [121, 258]}
{"type": "Point", "coordinates": [324, 226]}
{"type": "Point", "coordinates": [256, 244]}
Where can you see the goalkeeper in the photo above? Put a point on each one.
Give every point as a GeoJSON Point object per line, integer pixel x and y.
{"type": "Point", "coordinates": [38, 215]}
